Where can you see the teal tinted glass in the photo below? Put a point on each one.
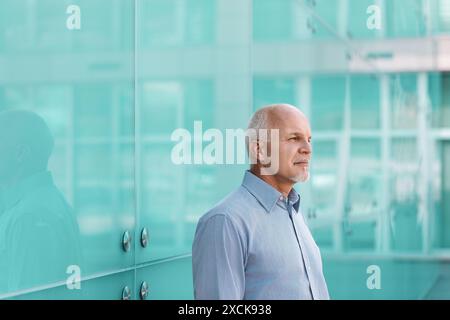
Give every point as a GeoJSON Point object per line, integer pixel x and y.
{"type": "Point", "coordinates": [439, 95]}
{"type": "Point", "coordinates": [199, 86]}
{"type": "Point", "coordinates": [404, 99]}
{"type": "Point", "coordinates": [365, 102]}
{"type": "Point", "coordinates": [68, 196]}
{"type": "Point", "coordinates": [279, 27]}
{"type": "Point", "coordinates": [268, 90]}
{"type": "Point", "coordinates": [439, 10]}
{"type": "Point", "coordinates": [328, 99]}
{"type": "Point", "coordinates": [406, 18]}
{"type": "Point", "coordinates": [117, 119]}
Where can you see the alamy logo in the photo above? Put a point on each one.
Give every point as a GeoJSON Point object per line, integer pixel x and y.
{"type": "Point", "coordinates": [73, 21]}
{"type": "Point", "coordinates": [226, 149]}
{"type": "Point", "coordinates": [74, 279]}
{"type": "Point", "coordinates": [374, 20]}
{"type": "Point", "coordinates": [374, 280]}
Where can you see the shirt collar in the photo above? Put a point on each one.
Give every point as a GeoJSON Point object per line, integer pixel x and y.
{"type": "Point", "coordinates": [267, 195]}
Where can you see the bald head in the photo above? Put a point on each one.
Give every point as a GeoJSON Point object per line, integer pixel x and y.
{"type": "Point", "coordinates": [274, 116]}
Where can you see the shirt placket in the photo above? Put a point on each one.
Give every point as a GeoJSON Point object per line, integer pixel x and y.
{"type": "Point", "coordinates": [306, 262]}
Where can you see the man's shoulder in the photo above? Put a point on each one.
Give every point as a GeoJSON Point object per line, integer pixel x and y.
{"type": "Point", "coordinates": [235, 207]}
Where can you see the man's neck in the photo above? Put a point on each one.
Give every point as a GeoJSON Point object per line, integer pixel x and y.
{"type": "Point", "coordinates": [283, 186]}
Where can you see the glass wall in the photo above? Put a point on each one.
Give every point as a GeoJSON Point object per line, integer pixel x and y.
{"type": "Point", "coordinates": [67, 147]}
{"type": "Point", "coordinates": [96, 95]}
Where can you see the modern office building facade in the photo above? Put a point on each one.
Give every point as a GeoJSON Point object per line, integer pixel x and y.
{"type": "Point", "coordinates": [114, 79]}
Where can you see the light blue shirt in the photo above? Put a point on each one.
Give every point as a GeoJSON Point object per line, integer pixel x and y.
{"type": "Point", "coordinates": [255, 244]}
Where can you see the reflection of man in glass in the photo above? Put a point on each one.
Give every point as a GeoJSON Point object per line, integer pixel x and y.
{"type": "Point", "coordinates": [38, 232]}
{"type": "Point", "coordinates": [255, 243]}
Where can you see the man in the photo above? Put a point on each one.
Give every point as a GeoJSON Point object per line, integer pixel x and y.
{"type": "Point", "coordinates": [255, 243]}
{"type": "Point", "coordinates": [39, 235]}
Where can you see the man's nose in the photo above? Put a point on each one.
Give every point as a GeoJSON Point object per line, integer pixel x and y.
{"type": "Point", "coordinates": [305, 148]}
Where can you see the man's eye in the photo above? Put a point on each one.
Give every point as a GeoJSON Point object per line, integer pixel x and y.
{"type": "Point", "coordinates": [293, 138]}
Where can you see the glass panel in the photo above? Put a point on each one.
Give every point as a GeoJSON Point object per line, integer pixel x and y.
{"type": "Point", "coordinates": [67, 127]}
{"type": "Point", "coordinates": [404, 100]}
{"type": "Point", "coordinates": [365, 152]}
{"type": "Point", "coordinates": [294, 20]}
{"type": "Point", "coordinates": [360, 236]}
{"type": "Point", "coordinates": [323, 236]}
{"type": "Point", "coordinates": [363, 198]}
{"type": "Point", "coordinates": [269, 91]}
{"type": "Point", "coordinates": [440, 13]}
{"type": "Point", "coordinates": [405, 18]}
{"type": "Point", "coordinates": [400, 279]}
{"type": "Point", "coordinates": [320, 202]}
{"type": "Point", "coordinates": [327, 101]}
{"type": "Point", "coordinates": [328, 11]}
{"type": "Point", "coordinates": [324, 180]}
{"type": "Point", "coordinates": [439, 95]}
{"type": "Point", "coordinates": [405, 221]}
{"type": "Point", "coordinates": [365, 102]}
{"type": "Point", "coordinates": [189, 89]}
{"type": "Point", "coordinates": [279, 27]}
{"type": "Point", "coordinates": [108, 287]}
{"type": "Point", "coordinates": [441, 237]}
{"type": "Point", "coordinates": [168, 280]}
{"type": "Point", "coordinates": [176, 22]}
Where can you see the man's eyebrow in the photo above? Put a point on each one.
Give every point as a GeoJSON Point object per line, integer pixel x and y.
{"type": "Point", "coordinates": [299, 134]}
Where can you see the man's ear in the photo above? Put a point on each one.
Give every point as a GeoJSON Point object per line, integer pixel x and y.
{"type": "Point", "coordinates": [263, 156]}
{"type": "Point", "coordinates": [253, 150]}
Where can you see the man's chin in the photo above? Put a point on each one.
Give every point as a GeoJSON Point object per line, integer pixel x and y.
{"type": "Point", "coordinates": [303, 177]}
